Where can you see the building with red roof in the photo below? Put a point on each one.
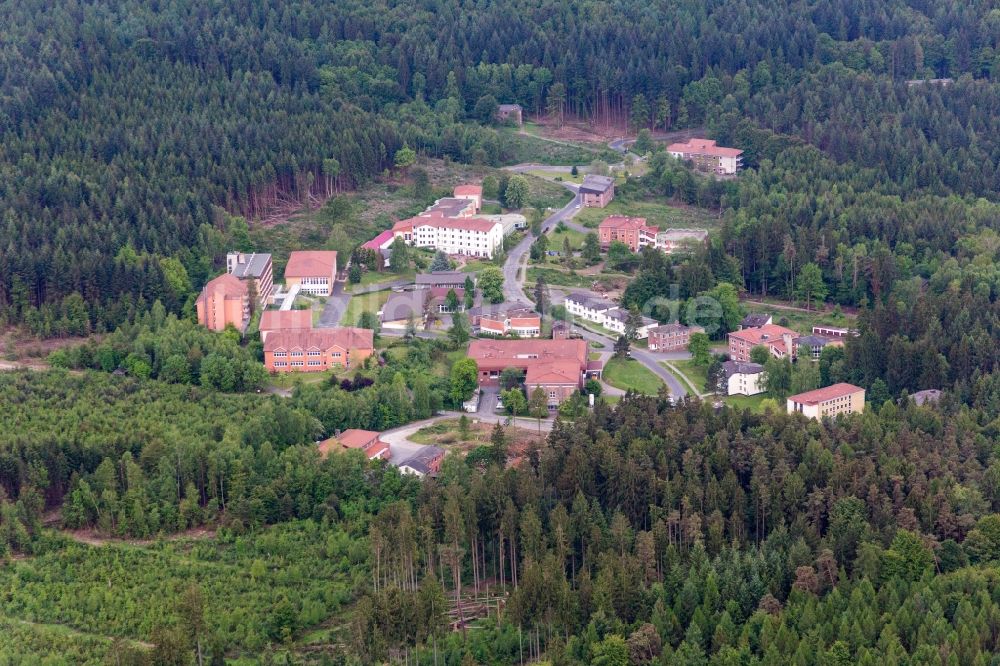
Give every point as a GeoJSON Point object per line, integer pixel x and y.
{"type": "Point", "coordinates": [708, 156]}
{"type": "Point", "coordinates": [471, 192]}
{"type": "Point", "coordinates": [559, 367]}
{"type": "Point", "coordinates": [633, 231]}
{"type": "Point", "coordinates": [315, 350]}
{"type": "Point", "coordinates": [366, 440]}
{"type": "Point", "coordinates": [839, 398]}
{"type": "Point", "coordinates": [224, 300]}
{"type": "Point", "coordinates": [281, 320]}
{"type": "Point", "coordinates": [314, 271]}
{"type": "Point", "coordinates": [778, 340]}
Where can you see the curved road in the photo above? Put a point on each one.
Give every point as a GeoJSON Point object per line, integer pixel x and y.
{"type": "Point", "coordinates": [513, 292]}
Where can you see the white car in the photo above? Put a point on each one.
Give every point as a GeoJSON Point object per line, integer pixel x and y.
{"type": "Point", "coordinates": [499, 407]}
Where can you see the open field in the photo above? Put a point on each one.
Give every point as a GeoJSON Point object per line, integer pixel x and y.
{"type": "Point", "coordinates": [751, 402]}
{"type": "Point", "coordinates": [799, 320]}
{"type": "Point", "coordinates": [696, 373]}
{"type": "Point", "coordinates": [628, 374]}
{"type": "Point", "coordinates": [369, 278]}
{"type": "Point", "coordinates": [659, 212]}
{"type": "Point", "coordinates": [371, 302]}
{"type": "Point", "coordinates": [529, 145]}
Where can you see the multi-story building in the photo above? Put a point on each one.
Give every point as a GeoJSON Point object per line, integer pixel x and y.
{"type": "Point", "coordinates": [828, 401]}
{"type": "Point", "coordinates": [597, 191]}
{"type": "Point", "coordinates": [315, 350]}
{"type": "Point", "coordinates": [616, 319]}
{"type": "Point", "coordinates": [255, 270]}
{"type": "Point", "coordinates": [283, 320]}
{"type": "Point", "coordinates": [671, 240]}
{"type": "Point", "coordinates": [314, 271]}
{"type": "Point", "coordinates": [633, 231]}
{"type": "Point", "coordinates": [707, 156]}
{"type": "Point", "coordinates": [559, 367]}
{"type": "Point", "coordinates": [671, 337]}
{"type": "Point", "coordinates": [588, 307]}
{"type": "Point", "coordinates": [224, 301]}
{"type": "Point", "coordinates": [743, 378]}
{"type": "Point", "coordinates": [475, 237]}
{"type": "Point", "coordinates": [778, 340]}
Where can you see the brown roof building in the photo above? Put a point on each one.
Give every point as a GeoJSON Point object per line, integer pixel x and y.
{"type": "Point", "coordinates": [839, 398]}
{"type": "Point", "coordinates": [778, 340]}
{"type": "Point", "coordinates": [278, 320]}
{"type": "Point", "coordinates": [633, 231]}
{"type": "Point", "coordinates": [314, 271]}
{"type": "Point", "coordinates": [224, 300]}
{"type": "Point", "coordinates": [708, 156]}
{"type": "Point", "coordinates": [559, 367]}
{"type": "Point", "coordinates": [315, 350]}
{"type": "Point", "coordinates": [366, 440]}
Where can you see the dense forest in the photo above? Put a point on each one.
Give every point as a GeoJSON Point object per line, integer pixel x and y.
{"type": "Point", "coordinates": [130, 133]}
{"type": "Point", "coordinates": [140, 141]}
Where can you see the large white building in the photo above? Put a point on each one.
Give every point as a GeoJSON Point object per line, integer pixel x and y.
{"type": "Point", "coordinates": [472, 236]}
{"type": "Point", "coordinates": [743, 378]}
{"type": "Point", "coordinates": [604, 313]}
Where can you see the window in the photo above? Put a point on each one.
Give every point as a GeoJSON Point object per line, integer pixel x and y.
{"type": "Point", "coordinates": [314, 353]}
{"type": "Point", "coordinates": [280, 354]}
{"type": "Point", "coordinates": [280, 364]}
{"type": "Point", "coordinates": [296, 364]}
{"type": "Point", "coordinates": [315, 363]}
{"type": "Point", "coordinates": [296, 353]}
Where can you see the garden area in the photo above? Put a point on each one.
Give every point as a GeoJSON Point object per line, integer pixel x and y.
{"type": "Point", "coordinates": [628, 374]}
{"type": "Point", "coordinates": [658, 212]}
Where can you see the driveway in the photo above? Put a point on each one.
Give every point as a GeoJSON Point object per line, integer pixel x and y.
{"type": "Point", "coordinates": [336, 305]}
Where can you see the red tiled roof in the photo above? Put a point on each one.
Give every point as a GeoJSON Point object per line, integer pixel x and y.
{"type": "Point", "coordinates": [469, 190]}
{"type": "Point", "coordinates": [763, 335]}
{"type": "Point", "coordinates": [275, 320]}
{"type": "Point", "coordinates": [526, 353]}
{"type": "Point", "coordinates": [225, 285]}
{"type": "Point", "coordinates": [404, 225]}
{"type": "Point", "coordinates": [703, 147]}
{"type": "Point", "coordinates": [624, 222]}
{"type": "Point", "coordinates": [380, 240]}
{"type": "Point", "coordinates": [311, 263]}
{"type": "Point", "coordinates": [356, 439]}
{"type": "Point", "coordinates": [826, 393]}
{"type": "Point", "coordinates": [554, 372]}
{"type": "Point", "coordinates": [346, 337]}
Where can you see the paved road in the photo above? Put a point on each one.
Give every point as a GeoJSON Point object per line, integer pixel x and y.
{"type": "Point", "coordinates": [402, 448]}
{"type": "Point", "coordinates": [513, 284]}
{"type": "Point", "coordinates": [336, 305]}
{"type": "Point", "coordinates": [513, 290]}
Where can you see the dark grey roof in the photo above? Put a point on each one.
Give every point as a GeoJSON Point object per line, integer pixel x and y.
{"type": "Point", "coordinates": [509, 107]}
{"type": "Point", "coordinates": [592, 302]}
{"type": "Point", "coordinates": [621, 314]}
{"type": "Point", "coordinates": [422, 459]}
{"type": "Point", "coordinates": [669, 328]}
{"type": "Point", "coordinates": [813, 341]}
{"type": "Point", "coordinates": [755, 320]}
{"type": "Point", "coordinates": [740, 368]}
{"type": "Point", "coordinates": [595, 184]}
{"type": "Point", "coordinates": [401, 305]}
{"type": "Point", "coordinates": [253, 265]}
{"type": "Point", "coordinates": [443, 278]}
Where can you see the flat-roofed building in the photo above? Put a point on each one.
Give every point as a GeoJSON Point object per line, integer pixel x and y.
{"type": "Point", "coordinates": [839, 398]}
{"type": "Point", "coordinates": [254, 269]}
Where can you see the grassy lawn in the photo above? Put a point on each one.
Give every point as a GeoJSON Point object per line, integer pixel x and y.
{"type": "Point", "coordinates": [802, 322]}
{"type": "Point", "coordinates": [556, 238]}
{"type": "Point", "coordinates": [559, 277]}
{"type": "Point", "coordinates": [475, 265]}
{"type": "Point", "coordinates": [532, 148]}
{"type": "Point", "coordinates": [369, 278]}
{"type": "Point", "coordinates": [372, 302]}
{"type": "Point", "coordinates": [289, 380]}
{"type": "Point", "coordinates": [630, 374]}
{"type": "Point", "coordinates": [698, 374]}
{"type": "Point", "coordinates": [658, 212]}
{"type": "Point", "coordinates": [751, 402]}
{"type": "Point", "coordinates": [556, 176]}
{"type": "Point", "coordinates": [544, 193]}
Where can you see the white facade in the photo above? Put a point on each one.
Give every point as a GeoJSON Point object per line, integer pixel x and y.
{"type": "Point", "coordinates": [744, 384]}
{"type": "Point", "coordinates": [591, 309]}
{"type": "Point", "coordinates": [728, 165]}
{"type": "Point", "coordinates": [616, 318]}
{"type": "Point", "coordinates": [452, 238]}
